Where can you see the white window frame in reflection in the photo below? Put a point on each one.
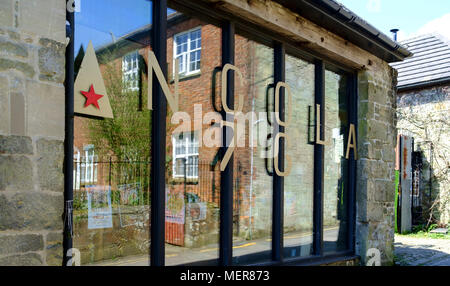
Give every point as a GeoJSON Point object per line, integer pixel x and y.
{"type": "Point", "coordinates": [188, 147]}
{"type": "Point", "coordinates": [185, 56]}
{"type": "Point", "coordinates": [130, 71]}
{"type": "Point", "coordinates": [76, 171]}
{"type": "Point", "coordinates": [88, 165]}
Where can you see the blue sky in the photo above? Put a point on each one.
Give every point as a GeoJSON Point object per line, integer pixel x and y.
{"type": "Point", "coordinates": [412, 17]}
{"type": "Point", "coordinates": [98, 19]}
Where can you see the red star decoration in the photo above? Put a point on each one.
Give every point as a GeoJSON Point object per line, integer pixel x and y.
{"type": "Point", "coordinates": [91, 97]}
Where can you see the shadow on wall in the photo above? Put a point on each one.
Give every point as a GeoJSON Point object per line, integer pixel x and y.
{"type": "Point", "coordinates": [426, 188]}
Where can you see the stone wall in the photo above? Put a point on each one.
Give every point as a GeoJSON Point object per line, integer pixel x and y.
{"type": "Point", "coordinates": [32, 61]}
{"type": "Point", "coordinates": [423, 114]}
{"type": "Point", "coordinates": [375, 200]}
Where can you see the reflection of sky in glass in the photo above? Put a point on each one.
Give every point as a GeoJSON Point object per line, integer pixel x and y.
{"type": "Point", "coordinates": [100, 20]}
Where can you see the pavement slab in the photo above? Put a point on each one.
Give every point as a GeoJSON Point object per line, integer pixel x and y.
{"type": "Point", "coordinates": [411, 251]}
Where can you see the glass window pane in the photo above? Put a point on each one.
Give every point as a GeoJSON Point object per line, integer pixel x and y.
{"type": "Point", "coordinates": [252, 198]}
{"type": "Point", "coordinates": [299, 183]}
{"type": "Point", "coordinates": [179, 167]}
{"type": "Point", "coordinates": [192, 227]}
{"type": "Point", "coordinates": [111, 189]}
{"type": "Point", "coordinates": [187, 44]}
{"type": "Point", "coordinates": [335, 165]}
{"type": "Point", "coordinates": [182, 63]}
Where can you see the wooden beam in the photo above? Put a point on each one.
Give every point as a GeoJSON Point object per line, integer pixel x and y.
{"type": "Point", "coordinates": [306, 34]}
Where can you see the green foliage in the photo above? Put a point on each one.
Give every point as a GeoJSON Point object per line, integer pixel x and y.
{"type": "Point", "coordinates": [79, 203]}
{"type": "Point", "coordinates": [421, 231]}
{"type": "Point", "coordinates": [431, 227]}
{"type": "Point", "coordinates": [127, 135]}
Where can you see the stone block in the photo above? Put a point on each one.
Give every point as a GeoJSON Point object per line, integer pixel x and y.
{"type": "Point", "coordinates": [51, 60]}
{"type": "Point", "coordinates": [362, 187]}
{"type": "Point", "coordinates": [15, 145]}
{"type": "Point", "coordinates": [16, 173]}
{"type": "Point", "coordinates": [31, 211]}
{"type": "Point", "coordinates": [8, 64]}
{"type": "Point", "coordinates": [13, 49]}
{"type": "Point", "coordinates": [381, 190]}
{"type": "Point", "coordinates": [378, 94]}
{"type": "Point", "coordinates": [50, 164]}
{"type": "Point", "coordinates": [54, 249]}
{"type": "Point", "coordinates": [4, 105]}
{"type": "Point", "coordinates": [6, 13]}
{"type": "Point", "coordinates": [363, 108]}
{"type": "Point", "coordinates": [28, 259]}
{"type": "Point", "coordinates": [18, 114]}
{"type": "Point", "coordinates": [45, 110]}
{"type": "Point", "coordinates": [377, 169]}
{"type": "Point", "coordinates": [375, 211]}
{"type": "Point", "coordinates": [361, 240]}
{"type": "Point", "coordinates": [388, 153]}
{"type": "Point", "coordinates": [20, 243]}
{"type": "Point", "coordinates": [377, 130]}
{"type": "Point", "coordinates": [14, 35]}
{"type": "Point", "coordinates": [43, 18]}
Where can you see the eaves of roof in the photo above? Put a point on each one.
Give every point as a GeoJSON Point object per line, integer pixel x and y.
{"type": "Point", "coordinates": [339, 20]}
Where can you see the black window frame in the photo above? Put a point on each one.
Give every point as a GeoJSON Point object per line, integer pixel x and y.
{"type": "Point", "coordinates": [230, 25]}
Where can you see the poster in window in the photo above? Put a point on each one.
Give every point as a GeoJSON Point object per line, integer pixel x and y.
{"type": "Point", "coordinates": [175, 207]}
{"type": "Point", "coordinates": [99, 206]}
{"type": "Point", "coordinates": [129, 193]}
{"type": "Point", "coordinates": [197, 211]}
{"type": "Point", "coordinates": [129, 200]}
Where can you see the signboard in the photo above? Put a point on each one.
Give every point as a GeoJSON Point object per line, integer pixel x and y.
{"type": "Point", "coordinates": [90, 95]}
{"type": "Point", "coordinates": [99, 206]}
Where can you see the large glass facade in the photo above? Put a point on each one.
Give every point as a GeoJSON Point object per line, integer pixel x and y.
{"type": "Point", "coordinates": [252, 186]}
{"type": "Point", "coordinates": [335, 165]}
{"type": "Point", "coordinates": [193, 141]}
{"type": "Point", "coordinates": [112, 143]}
{"type": "Point", "coordinates": [111, 190]}
{"type": "Point", "coordinates": [299, 183]}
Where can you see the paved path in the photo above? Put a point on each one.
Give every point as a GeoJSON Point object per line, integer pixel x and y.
{"type": "Point", "coordinates": [176, 255]}
{"type": "Point", "coordinates": [411, 251]}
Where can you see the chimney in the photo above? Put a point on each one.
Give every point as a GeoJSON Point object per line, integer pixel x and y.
{"type": "Point", "coordinates": [394, 34]}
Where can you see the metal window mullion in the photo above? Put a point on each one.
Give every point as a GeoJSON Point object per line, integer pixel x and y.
{"type": "Point", "coordinates": [91, 162]}
{"type": "Point", "coordinates": [158, 140]}
{"type": "Point", "coordinates": [188, 52]}
{"type": "Point", "coordinates": [319, 152]}
{"type": "Point", "coordinates": [278, 181]}
{"type": "Point", "coordinates": [351, 204]}
{"type": "Point", "coordinates": [68, 142]}
{"type": "Point", "coordinates": [226, 176]}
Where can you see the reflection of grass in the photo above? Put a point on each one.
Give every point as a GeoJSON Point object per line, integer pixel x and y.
{"type": "Point", "coordinates": [424, 234]}
{"type": "Point", "coordinates": [421, 231]}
